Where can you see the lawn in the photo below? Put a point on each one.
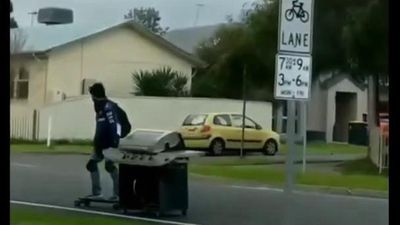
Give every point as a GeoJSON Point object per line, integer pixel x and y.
{"type": "Point", "coordinates": [24, 215]}
{"type": "Point", "coordinates": [313, 148]}
{"type": "Point", "coordinates": [351, 175]}
{"type": "Point", "coordinates": [322, 148]}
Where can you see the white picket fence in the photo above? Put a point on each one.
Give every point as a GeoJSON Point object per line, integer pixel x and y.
{"type": "Point", "coordinates": [23, 122]}
{"type": "Point", "coordinates": [379, 147]}
{"type": "Point", "coordinates": [383, 160]}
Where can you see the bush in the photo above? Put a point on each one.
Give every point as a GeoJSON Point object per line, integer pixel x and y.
{"type": "Point", "coordinates": [160, 82]}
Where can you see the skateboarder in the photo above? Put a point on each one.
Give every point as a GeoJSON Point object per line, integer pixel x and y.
{"type": "Point", "coordinates": [107, 135]}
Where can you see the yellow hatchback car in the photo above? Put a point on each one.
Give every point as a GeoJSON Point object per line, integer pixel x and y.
{"type": "Point", "coordinates": [219, 131]}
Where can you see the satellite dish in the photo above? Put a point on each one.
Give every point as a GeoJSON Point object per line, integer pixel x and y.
{"type": "Point", "coordinates": [53, 16]}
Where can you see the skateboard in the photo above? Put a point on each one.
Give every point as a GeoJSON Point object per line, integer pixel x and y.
{"type": "Point", "coordinates": [86, 202]}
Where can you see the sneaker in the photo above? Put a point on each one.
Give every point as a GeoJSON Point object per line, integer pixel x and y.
{"type": "Point", "coordinates": [99, 196]}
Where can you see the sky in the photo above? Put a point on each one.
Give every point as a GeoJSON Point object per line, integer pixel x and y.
{"type": "Point", "coordinates": [174, 13]}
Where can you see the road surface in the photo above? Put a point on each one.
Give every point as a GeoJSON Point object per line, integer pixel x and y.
{"type": "Point", "coordinates": [59, 179]}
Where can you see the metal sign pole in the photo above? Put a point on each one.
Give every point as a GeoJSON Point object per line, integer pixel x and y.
{"type": "Point", "coordinates": [290, 139]}
{"type": "Point", "coordinates": [244, 111]}
{"type": "Point", "coordinates": [293, 78]}
{"type": "Point", "coordinates": [304, 136]}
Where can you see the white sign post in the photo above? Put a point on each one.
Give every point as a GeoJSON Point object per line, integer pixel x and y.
{"type": "Point", "coordinates": [295, 26]}
{"type": "Point", "coordinates": [293, 66]}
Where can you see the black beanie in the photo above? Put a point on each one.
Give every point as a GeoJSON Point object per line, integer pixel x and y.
{"type": "Point", "coordinates": [97, 90]}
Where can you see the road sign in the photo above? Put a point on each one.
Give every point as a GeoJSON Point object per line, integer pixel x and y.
{"type": "Point", "coordinates": [295, 26]}
{"type": "Point", "coordinates": [292, 77]}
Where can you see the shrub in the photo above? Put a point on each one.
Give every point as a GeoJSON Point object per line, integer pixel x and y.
{"type": "Point", "coordinates": [160, 82]}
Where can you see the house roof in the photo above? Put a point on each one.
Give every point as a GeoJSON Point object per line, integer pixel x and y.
{"type": "Point", "coordinates": [42, 39]}
{"type": "Point", "coordinates": [189, 38]}
{"type": "Point", "coordinates": [336, 78]}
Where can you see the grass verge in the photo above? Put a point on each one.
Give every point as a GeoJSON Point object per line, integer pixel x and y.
{"type": "Point", "coordinates": [57, 149]}
{"type": "Point", "coordinates": [84, 146]}
{"type": "Point", "coordinates": [350, 176]}
{"type": "Point", "coordinates": [27, 215]}
{"type": "Point", "coordinates": [322, 148]}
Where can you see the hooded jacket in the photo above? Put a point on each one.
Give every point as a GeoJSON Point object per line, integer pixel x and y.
{"type": "Point", "coordinates": [108, 128]}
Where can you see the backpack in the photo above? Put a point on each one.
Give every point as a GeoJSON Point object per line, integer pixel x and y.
{"type": "Point", "coordinates": [123, 119]}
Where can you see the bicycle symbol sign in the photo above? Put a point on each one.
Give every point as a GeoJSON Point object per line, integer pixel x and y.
{"type": "Point", "coordinates": [297, 11]}
{"type": "Point", "coordinates": [295, 26]}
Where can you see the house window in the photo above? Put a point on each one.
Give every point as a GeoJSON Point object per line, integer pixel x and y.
{"type": "Point", "coordinates": [19, 88]}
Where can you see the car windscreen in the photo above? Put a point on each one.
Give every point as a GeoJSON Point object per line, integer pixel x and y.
{"type": "Point", "coordinates": [195, 120]}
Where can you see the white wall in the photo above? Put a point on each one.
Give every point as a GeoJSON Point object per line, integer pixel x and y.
{"type": "Point", "coordinates": [74, 118]}
{"type": "Point", "coordinates": [316, 108]}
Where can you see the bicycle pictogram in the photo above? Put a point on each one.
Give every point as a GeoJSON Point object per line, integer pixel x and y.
{"type": "Point", "coordinates": [298, 11]}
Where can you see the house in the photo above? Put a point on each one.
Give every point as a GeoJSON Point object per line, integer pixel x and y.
{"type": "Point", "coordinates": [336, 99]}
{"type": "Point", "coordinates": [51, 63]}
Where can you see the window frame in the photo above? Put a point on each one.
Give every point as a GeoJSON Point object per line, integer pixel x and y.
{"type": "Point", "coordinates": [16, 84]}
{"type": "Point", "coordinates": [246, 118]}
{"type": "Point", "coordinates": [229, 122]}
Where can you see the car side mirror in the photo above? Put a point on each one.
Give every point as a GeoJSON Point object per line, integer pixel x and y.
{"type": "Point", "coordinates": [258, 127]}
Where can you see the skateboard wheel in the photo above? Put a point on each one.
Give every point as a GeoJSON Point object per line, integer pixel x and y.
{"type": "Point", "coordinates": [86, 204]}
{"type": "Point", "coordinates": [116, 206]}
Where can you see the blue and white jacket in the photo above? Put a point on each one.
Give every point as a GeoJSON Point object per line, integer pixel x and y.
{"type": "Point", "coordinates": [108, 128]}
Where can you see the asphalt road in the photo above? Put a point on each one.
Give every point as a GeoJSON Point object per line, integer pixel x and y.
{"type": "Point", "coordinates": [59, 179]}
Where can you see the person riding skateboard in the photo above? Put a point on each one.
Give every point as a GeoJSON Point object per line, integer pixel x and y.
{"type": "Point", "coordinates": [107, 135]}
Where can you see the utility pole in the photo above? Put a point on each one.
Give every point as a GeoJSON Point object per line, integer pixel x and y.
{"type": "Point", "coordinates": [198, 5]}
{"type": "Point", "coordinates": [304, 112]}
{"type": "Point", "coordinates": [244, 110]}
{"type": "Point", "coordinates": [33, 14]}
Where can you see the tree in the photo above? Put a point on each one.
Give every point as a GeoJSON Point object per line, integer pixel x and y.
{"type": "Point", "coordinates": [160, 82]}
{"type": "Point", "coordinates": [17, 41]}
{"type": "Point", "coordinates": [329, 49]}
{"type": "Point", "coordinates": [13, 22]}
{"type": "Point", "coordinates": [366, 39]}
{"type": "Point", "coordinates": [255, 45]}
{"type": "Point", "coordinates": [147, 17]}
{"type": "Point", "coordinates": [228, 57]}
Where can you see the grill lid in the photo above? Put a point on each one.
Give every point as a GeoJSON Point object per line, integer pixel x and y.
{"type": "Point", "coordinates": [152, 142]}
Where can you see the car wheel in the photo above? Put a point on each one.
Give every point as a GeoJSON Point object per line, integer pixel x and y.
{"type": "Point", "coordinates": [270, 147]}
{"type": "Point", "coordinates": [217, 147]}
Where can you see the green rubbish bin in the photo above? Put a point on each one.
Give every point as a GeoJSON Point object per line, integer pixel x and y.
{"type": "Point", "coordinates": [358, 133]}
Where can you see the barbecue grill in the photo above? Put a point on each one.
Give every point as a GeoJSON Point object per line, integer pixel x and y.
{"type": "Point", "coordinates": [152, 171]}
